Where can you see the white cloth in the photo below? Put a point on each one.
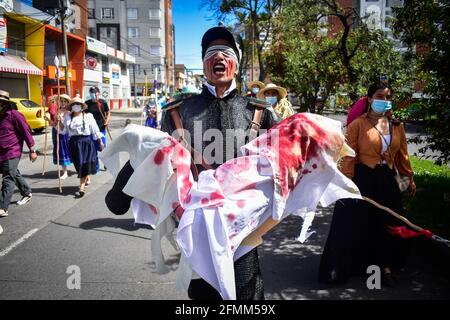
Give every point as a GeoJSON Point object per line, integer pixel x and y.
{"type": "Point", "coordinates": [74, 126]}
{"type": "Point", "coordinates": [212, 89]}
{"type": "Point", "coordinates": [288, 170]}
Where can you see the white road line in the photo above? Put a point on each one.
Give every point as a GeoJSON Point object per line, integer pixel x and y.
{"type": "Point", "coordinates": [18, 242]}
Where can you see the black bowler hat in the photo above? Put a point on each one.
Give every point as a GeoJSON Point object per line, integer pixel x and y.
{"type": "Point", "coordinates": [219, 33]}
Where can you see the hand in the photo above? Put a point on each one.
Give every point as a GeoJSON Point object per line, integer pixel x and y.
{"type": "Point", "coordinates": [102, 146]}
{"type": "Point", "coordinates": [412, 188]}
{"type": "Point", "coordinates": [33, 155]}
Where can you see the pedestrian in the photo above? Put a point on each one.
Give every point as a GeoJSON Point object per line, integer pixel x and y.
{"type": "Point", "coordinates": [80, 126]}
{"type": "Point", "coordinates": [359, 233]}
{"type": "Point", "coordinates": [254, 87]}
{"type": "Point", "coordinates": [100, 110]}
{"type": "Point", "coordinates": [221, 108]}
{"type": "Point", "coordinates": [151, 117]}
{"type": "Point", "coordinates": [64, 150]}
{"type": "Point", "coordinates": [14, 131]}
{"type": "Point", "coordinates": [276, 97]}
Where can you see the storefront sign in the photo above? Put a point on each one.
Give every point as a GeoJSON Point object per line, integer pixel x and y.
{"type": "Point", "coordinates": [6, 5]}
{"type": "Point", "coordinates": [120, 55]}
{"type": "Point", "coordinates": [129, 58]}
{"type": "Point", "coordinates": [96, 46]}
{"type": "Point", "coordinates": [111, 52]}
{"type": "Point", "coordinates": [3, 36]}
{"type": "Point", "coordinates": [91, 63]}
{"type": "Point", "coordinates": [51, 73]}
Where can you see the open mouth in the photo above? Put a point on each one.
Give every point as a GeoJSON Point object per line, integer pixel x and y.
{"type": "Point", "coordinates": [219, 69]}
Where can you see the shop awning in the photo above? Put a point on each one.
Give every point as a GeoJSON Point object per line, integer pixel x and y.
{"type": "Point", "coordinates": [18, 65]}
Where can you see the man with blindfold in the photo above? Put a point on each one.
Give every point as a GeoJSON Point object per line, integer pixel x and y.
{"type": "Point", "coordinates": [221, 109]}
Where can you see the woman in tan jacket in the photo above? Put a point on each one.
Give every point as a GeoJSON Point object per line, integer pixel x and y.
{"type": "Point", "coordinates": [359, 234]}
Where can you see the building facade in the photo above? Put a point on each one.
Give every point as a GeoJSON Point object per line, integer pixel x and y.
{"type": "Point", "coordinates": [144, 29]}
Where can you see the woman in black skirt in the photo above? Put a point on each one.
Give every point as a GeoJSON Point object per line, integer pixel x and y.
{"type": "Point", "coordinates": [359, 234]}
{"type": "Point", "coordinates": [80, 126]}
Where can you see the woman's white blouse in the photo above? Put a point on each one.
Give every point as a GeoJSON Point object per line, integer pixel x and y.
{"type": "Point", "coordinates": [74, 126]}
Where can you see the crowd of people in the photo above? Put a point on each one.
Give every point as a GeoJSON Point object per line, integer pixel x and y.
{"type": "Point", "coordinates": [358, 235]}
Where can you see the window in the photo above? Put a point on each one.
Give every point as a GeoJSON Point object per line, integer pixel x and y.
{"type": "Point", "coordinates": [156, 50]}
{"type": "Point", "coordinates": [132, 13]}
{"type": "Point", "coordinates": [134, 50]}
{"type": "Point", "coordinates": [137, 67]}
{"type": "Point", "coordinates": [107, 13]}
{"type": "Point", "coordinates": [155, 13]}
{"type": "Point", "coordinates": [92, 32]}
{"type": "Point", "coordinates": [91, 13]}
{"type": "Point", "coordinates": [105, 64]}
{"type": "Point", "coordinates": [123, 69]}
{"type": "Point", "coordinates": [133, 32]}
{"type": "Point", "coordinates": [155, 32]}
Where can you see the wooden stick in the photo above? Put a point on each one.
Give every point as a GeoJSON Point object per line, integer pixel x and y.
{"type": "Point", "coordinates": [57, 136]}
{"type": "Point", "coordinates": [45, 128]}
{"type": "Point", "coordinates": [395, 214]}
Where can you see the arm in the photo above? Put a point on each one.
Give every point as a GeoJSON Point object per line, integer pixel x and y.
{"type": "Point", "coordinates": [107, 113]}
{"type": "Point", "coordinates": [348, 163]}
{"type": "Point", "coordinates": [402, 161]}
{"type": "Point", "coordinates": [24, 133]}
{"type": "Point", "coordinates": [116, 200]}
{"type": "Point", "coordinates": [94, 129]}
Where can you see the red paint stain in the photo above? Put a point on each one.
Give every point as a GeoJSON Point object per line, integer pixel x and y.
{"type": "Point", "coordinates": [241, 203]}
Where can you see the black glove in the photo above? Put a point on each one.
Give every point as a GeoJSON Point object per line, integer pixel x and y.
{"type": "Point", "coordinates": [116, 200]}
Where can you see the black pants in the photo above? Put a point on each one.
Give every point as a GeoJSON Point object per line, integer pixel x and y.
{"type": "Point", "coordinates": [359, 234]}
{"type": "Point", "coordinates": [11, 178]}
{"type": "Point", "coordinates": [248, 279]}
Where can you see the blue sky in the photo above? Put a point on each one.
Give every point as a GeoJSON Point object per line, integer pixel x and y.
{"type": "Point", "coordinates": [190, 25]}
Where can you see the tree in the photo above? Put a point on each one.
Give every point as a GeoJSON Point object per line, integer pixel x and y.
{"type": "Point", "coordinates": [256, 15]}
{"type": "Point", "coordinates": [315, 63]}
{"type": "Point", "coordinates": [424, 25]}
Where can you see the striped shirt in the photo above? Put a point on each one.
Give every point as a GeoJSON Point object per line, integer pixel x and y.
{"type": "Point", "coordinates": [14, 130]}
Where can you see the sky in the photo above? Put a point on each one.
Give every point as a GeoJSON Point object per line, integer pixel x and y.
{"type": "Point", "coordinates": [190, 25]}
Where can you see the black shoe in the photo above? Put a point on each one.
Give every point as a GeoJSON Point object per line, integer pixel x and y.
{"type": "Point", "coordinates": [79, 194]}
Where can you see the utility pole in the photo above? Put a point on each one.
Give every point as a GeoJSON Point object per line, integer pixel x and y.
{"type": "Point", "coordinates": [253, 52]}
{"type": "Point", "coordinates": [134, 84]}
{"type": "Point", "coordinates": [63, 8]}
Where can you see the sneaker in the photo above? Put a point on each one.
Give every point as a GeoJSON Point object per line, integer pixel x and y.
{"type": "Point", "coordinates": [64, 176]}
{"type": "Point", "coordinates": [79, 194]}
{"type": "Point", "coordinates": [24, 199]}
{"type": "Point", "coordinates": [3, 213]}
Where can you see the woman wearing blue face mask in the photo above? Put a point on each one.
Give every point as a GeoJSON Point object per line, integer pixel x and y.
{"type": "Point", "coordinates": [276, 97]}
{"type": "Point", "coordinates": [359, 234]}
{"type": "Point", "coordinates": [254, 87]}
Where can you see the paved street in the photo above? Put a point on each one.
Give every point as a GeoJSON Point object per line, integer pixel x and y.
{"type": "Point", "coordinates": [54, 231]}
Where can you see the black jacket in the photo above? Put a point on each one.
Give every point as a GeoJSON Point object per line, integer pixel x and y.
{"type": "Point", "coordinates": [205, 111]}
{"type": "Point", "coordinates": [231, 112]}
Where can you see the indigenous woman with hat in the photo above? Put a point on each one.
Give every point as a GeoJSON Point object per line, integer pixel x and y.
{"type": "Point", "coordinates": [276, 97]}
{"type": "Point", "coordinates": [255, 87]}
{"type": "Point", "coordinates": [64, 150]}
{"type": "Point", "coordinates": [80, 126]}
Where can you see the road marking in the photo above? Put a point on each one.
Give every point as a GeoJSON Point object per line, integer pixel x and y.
{"type": "Point", "coordinates": [18, 242]}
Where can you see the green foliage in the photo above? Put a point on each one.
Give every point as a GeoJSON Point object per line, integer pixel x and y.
{"type": "Point", "coordinates": [427, 24]}
{"type": "Point", "coordinates": [315, 65]}
{"type": "Point", "coordinates": [430, 208]}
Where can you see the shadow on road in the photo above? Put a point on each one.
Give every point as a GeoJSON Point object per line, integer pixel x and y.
{"type": "Point", "coordinates": [48, 175]}
{"type": "Point", "coordinates": [66, 190]}
{"type": "Point", "coordinates": [124, 224]}
{"type": "Point", "coordinates": [290, 269]}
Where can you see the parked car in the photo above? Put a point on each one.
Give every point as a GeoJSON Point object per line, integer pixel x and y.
{"type": "Point", "coordinates": [33, 113]}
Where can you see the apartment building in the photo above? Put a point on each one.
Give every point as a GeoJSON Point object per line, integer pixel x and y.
{"type": "Point", "coordinates": [142, 28]}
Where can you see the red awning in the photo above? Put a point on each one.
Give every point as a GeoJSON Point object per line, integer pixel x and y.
{"type": "Point", "coordinates": [18, 65]}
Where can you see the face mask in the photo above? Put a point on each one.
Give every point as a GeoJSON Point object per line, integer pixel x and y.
{"type": "Point", "coordinates": [255, 90]}
{"type": "Point", "coordinates": [76, 108]}
{"type": "Point", "coordinates": [271, 100]}
{"type": "Point", "coordinates": [381, 106]}
{"type": "Point", "coordinates": [93, 96]}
